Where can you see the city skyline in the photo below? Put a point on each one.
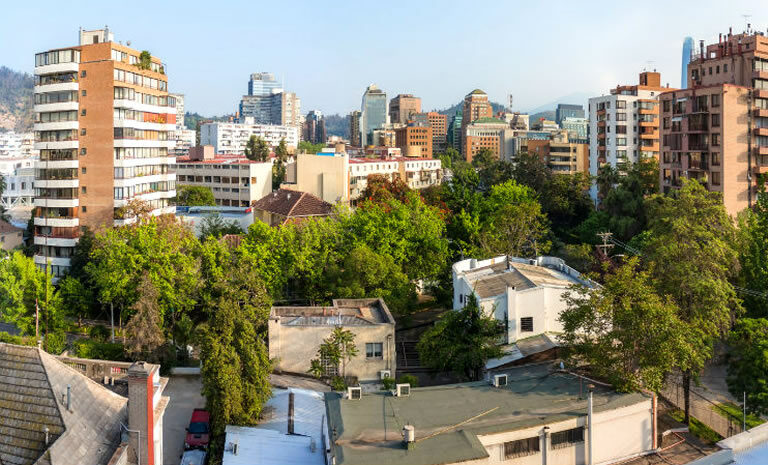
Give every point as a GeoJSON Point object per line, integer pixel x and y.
{"type": "Point", "coordinates": [212, 67]}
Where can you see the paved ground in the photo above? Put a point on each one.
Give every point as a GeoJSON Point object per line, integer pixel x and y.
{"type": "Point", "coordinates": [285, 381]}
{"type": "Point", "coordinates": [184, 392]}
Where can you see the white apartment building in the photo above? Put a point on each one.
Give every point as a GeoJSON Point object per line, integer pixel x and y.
{"type": "Point", "coordinates": [185, 139]}
{"type": "Point", "coordinates": [624, 125]}
{"type": "Point", "coordinates": [234, 180]}
{"type": "Point", "coordinates": [232, 137]}
{"type": "Point", "coordinates": [179, 110]}
{"type": "Point", "coordinates": [525, 294]}
{"type": "Point", "coordinates": [19, 187]}
{"type": "Point", "coordinates": [17, 145]}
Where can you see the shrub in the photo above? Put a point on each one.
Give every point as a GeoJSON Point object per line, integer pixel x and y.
{"type": "Point", "coordinates": [99, 332]}
{"type": "Point", "coordinates": [18, 340]}
{"type": "Point", "coordinates": [88, 348]}
{"type": "Point", "coordinates": [56, 342]}
{"type": "Point", "coordinates": [408, 379]}
{"type": "Point", "coordinates": [389, 383]}
{"type": "Point", "coordinates": [338, 384]}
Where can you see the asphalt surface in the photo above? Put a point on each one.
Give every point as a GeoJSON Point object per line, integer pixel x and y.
{"type": "Point", "coordinates": [184, 392]}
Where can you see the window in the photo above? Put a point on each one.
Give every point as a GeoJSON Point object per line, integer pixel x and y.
{"type": "Point", "coordinates": [84, 209]}
{"type": "Point", "coordinates": [725, 68]}
{"type": "Point", "coordinates": [715, 99]}
{"type": "Point", "coordinates": [84, 170]}
{"type": "Point", "coordinates": [621, 116]}
{"type": "Point", "coordinates": [621, 104]}
{"type": "Point", "coordinates": [567, 438]}
{"type": "Point", "coordinates": [83, 151]}
{"type": "Point", "coordinates": [521, 448]}
{"type": "Point", "coordinates": [85, 191]}
{"type": "Point", "coordinates": [715, 159]}
{"type": "Point", "coordinates": [526, 324]}
{"type": "Point", "coordinates": [82, 132]}
{"type": "Point", "coordinates": [715, 120]}
{"type": "Point", "coordinates": [83, 92]}
{"type": "Point", "coordinates": [82, 74]}
{"type": "Point", "coordinates": [374, 349]}
{"type": "Point", "coordinates": [621, 141]}
{"type": "Point", "coordinates": [715, 140]}
{"type": "Point", "coordinates": [715, 176]}
{"type": "Point", "coordinates": [82, 112]}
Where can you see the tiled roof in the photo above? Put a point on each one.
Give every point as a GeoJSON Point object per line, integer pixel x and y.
{"type": "Point", "coordinates": [293, 204]}
{"type": "Point", "coordinates": [33, 390]}
{"type": "Point", "coordinates": [6, 227]}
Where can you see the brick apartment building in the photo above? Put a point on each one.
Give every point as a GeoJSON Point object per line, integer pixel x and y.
{"type": "Point", "coordinates": [439, 124]}
{"type": "Point", "coordinates": [415, 140]}
{"type": "Point", "coordinates": [561, 154]}
{"type": "Point", "coordinates": [716, 131]}
{"type": "Point", "coordinates": [403, 107]}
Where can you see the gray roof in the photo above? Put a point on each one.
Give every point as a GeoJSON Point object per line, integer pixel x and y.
{"type": "Point", "coordinates": [368, 431]}
{"type": "Point", "coordinates": [33, 389]}
{"type": "Point", "coordinates": [343, 312]}
{"type": "Point", "coordinates": [493, 280]}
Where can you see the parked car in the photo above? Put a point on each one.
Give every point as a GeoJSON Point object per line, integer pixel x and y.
{"type": "Point", "coordinates": [198, 430]}
{"type": "Point", "coordinates": [193, 457]}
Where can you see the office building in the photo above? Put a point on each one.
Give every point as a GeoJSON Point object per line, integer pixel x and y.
{"type": "Point", "coordinates": [546, 125]}
{"type": "Point", "coordinates": [578, 128]}
{"type": "Point", "coordinates": [565, 110]}
{"type": "Point", "coordinates": [268, 103]}
{"type": "Point", "coordinates": [454, 131]}
{"type": "Point", "coordinates": [354, 129]}
{"type": "Point", "coordinates": [716, 130]}
{"type": "Point", "coordinates": [487, 133]}
{"type": "Point", "coordinates": [439, 124]}
{"type": "Point", "coordinates": [104, 125]}
{"type": "Point", "coordinates": [314, 128]}
{"type": "Point", "coordinates": [624, 125]}
{"type": "Point", "coordinates": [234, 180]}
{"type": "Point", "coordinates": [686, 58]}
{"type": "Point", "coordinates": [562, 154]}
{"type": "Point", "coordinates": [373, 113]}
{"type": "Point", "coordinates": [383, 137]}
{"type": "Point", "coordinates": [402, 108]}
{"type": "Point", "coordinates": [474, 107]}
{"type": "Point", "coordinates": [415, 140]}
{"type": "Point", "coordinates": [232, 137]}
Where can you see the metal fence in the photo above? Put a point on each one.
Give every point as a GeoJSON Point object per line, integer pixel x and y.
{"type": "Point", "coordinates": [703, 409]}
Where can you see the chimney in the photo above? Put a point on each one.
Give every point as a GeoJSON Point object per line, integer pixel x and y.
{"type": "Point", "coordinates": [701, 48]}
{"type": "Point", "coordinates": [591, 388]}
{"type": "Point", "coordinates": [290, 413]}
{"type": "Point", "coordinates": [141, 412]}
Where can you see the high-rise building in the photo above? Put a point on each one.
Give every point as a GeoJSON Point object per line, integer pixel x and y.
{"type": "Point", "coordinates": [415, 140]}
{"type": "Point", "coordinates": [560, 153]}
{"type": "Point", "coordinates": [716, 130]}
{"type": "Point", "coordinates": [475, 106]}
{"type": "Point", "coordinates": [687, 54]}
{"type": "Point", "coordinates": [565, 110]}
{"type": "Point", "coordinates": [624, 125]}
{"type": "Point", "coordinates": [104, 124]}
{"type": "Point", "coordinates": [454, 131]}
{"type": "Point", "coordinates": [577, 128]}
{"type": "Point", "coordinates": [231, 138]}
{"type": "Point", "coordinates": [314, 128]}
{"type": "Point", "coordinates": [354, 128]}
{"type": "Point", "coordinates": [402, 107]}
{"type": "Point", "coordinates": [268, 103]}
{"type": "Point", "coordinates": [179, 109]}
{"type": "Point", "coordinates": [487, 133]}
{"type": "Point", "coordinates": [373, 113]}
{"type": "Point", "coordinates": [439, 124]}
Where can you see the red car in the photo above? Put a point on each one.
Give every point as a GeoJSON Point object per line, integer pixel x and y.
{"type": "Point", "coordinates": [199, 427]}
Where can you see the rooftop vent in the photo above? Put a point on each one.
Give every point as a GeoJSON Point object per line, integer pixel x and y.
{"type": "Point", "coordinates": [354, 393]}
{"type": "Point", "coordinates": [499, 380]}
{"type": "Point", "coordinates": [403, 390]}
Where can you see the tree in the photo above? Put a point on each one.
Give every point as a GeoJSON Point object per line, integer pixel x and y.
{"type": "Point", "coordinates": [380, 187]}
{"type": "Point", "coordinates": [23, 286]}
{"type": "Point", "coordinates": [748, 363]}
{"type": "Point", "coordinates": [512, 222]}
{"type": "Point", "coordinates": [623, 331]}
{"type": "Point", "coordinates": [233, 353]}
{"type": "Point", "coordinates": [753, 254]}
{"type": "Point", "coordinates": [461, 341]}
{"type": "Point", "coordinates": [606, 179]}
{"type": "Point", "coordinates": [145, 60]}
{"type": "Point", "coordinates": [257, 149]}
{"type": "Point", "coordinates": [216, 226]}
{"type": "Point", "coordinates": [692, 254]}
{"type": "Point", "coordinates": [281, 152]}
{"type": "Point", "coordinates": [144, 333]}
{"type": "Point", "coordinates": [309, 147]}
{"type": "Point", "coordinates": [336, 350]}
{"type": "Point", "coordinates": [194, 196]}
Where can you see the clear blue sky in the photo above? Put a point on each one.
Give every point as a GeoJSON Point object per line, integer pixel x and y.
{"type": "Point", "coordinates": [328, 52]}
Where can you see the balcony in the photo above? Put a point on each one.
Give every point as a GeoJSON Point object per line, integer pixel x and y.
{"type": "Point", "coordinates": [759, 93]}
{"type": "Point", "coordinates": [645, 123]}
{"type": "Point", "coordinates": [649, 135]}
{"type": "Point", "coordinates": [760, 131]}
{"type": "Point", "coordinates": [698, 147]}
{"type": "Point", "coordinates": [760, 113]}
{"type": "Point", "coordinates": [57, 203]}
{"type": "Point", "coordinates": [760, 74]}
{"type": "Point", "coordinates": [698, 164]}
{"type": "Point", "coordinates": [57, 222]}
{"type": "Point", "coordinates": [761, 150]}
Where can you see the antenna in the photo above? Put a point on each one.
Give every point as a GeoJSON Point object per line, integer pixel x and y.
{"type": "Point", "coordinates": [746, 23]}
{"type": "Point", "coordinates": [511, 99]}
{"type": "Point", "coordinates": [648, 65]}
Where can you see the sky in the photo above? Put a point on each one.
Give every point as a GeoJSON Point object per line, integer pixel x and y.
{"type": "Point", "coordinates": [327, 52]}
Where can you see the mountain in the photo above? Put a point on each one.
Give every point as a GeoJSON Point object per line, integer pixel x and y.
{"type": "Point", "coordinates": [337, 125]}
{"type": "Point", "coordinates": [191, 120]}
{"type": "Point", "coordinates": [16, 104]}
{"type": "Point", "coordinates": [577, 98]}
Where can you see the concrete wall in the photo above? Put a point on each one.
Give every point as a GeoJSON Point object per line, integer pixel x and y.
{"type": "Point", "coordinates": [295, 346]}
{"type": "Point", "coordinates": [11, 240]}
{"type": "Point", "coordinates": [323, 176]}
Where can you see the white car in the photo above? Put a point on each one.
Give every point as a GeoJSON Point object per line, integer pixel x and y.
{"type": "Point", "coordinates": [193, 457]}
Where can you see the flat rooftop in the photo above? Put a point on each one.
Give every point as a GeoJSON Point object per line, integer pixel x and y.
{"type": "Point", "coordinates": [493, 280]}
{"type": "Point", "coordinates": [368, 431]}
{"type": "Point", "coordinates": [343, 312]}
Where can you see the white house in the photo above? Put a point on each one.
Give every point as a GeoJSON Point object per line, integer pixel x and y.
{"type": "Point", "coordinates": [526, 294]}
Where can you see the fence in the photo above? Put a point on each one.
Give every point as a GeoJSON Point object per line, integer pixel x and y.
{"type": "Point", "coordinates": [703, 409]}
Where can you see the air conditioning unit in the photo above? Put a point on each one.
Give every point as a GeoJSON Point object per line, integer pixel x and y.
{"type": "Point", "coordinates": [354, 393]}
{"type": "Point", "coordinates": [499, 380]}
{"type": "Point", "coordinates": [403, 390]}
{"type": "Point", "coordinates": [384, 374]}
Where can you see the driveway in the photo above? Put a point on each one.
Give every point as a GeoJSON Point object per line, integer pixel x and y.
{"type": "Point", "coordinates": [184, 392]}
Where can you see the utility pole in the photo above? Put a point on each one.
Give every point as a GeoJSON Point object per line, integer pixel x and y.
{"type": "Point", "coordinates": [606, 245]}
{"type": "Point", "coordinates": [744, 414]}
{"type": "Point", "coordinates": [37, 321]}
{"type": "Point", "coordinates": [112, 320]}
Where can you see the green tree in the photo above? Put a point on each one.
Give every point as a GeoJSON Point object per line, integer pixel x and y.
{"type": "Point", "coordinates": [145, 60]}
{"type": "Point", "coordinates": [623, 331]}
{"type": "Point", "coordinates": [692, 252]}
{"type": "Point", "coordinates": [512, 222]}
{"type": "Point", "coordinates": [23, 286]}
{"type": "Point", "coordinates": [281, 152]}
{"type": "Point", "coordinates": [336, 350]}
{"type": "Point", "coordinates": [233, 353]}
{"type": "Point", "coordinates": [216, 226]}
{"type": "Point", "coordinates": [461, 341]}
{"type": "Point", "coordinates": [309, 147]}
{"type": "Point", "coordinates": [753, 253]}
{"type": "Point", "coordinates": [606, 179]}
{"type": "Point", "coordinates": [194, 196]}
{"type": "Point", "coordinates": [257, 149]}
{"type": "Point", "coordinates": [748, 363]}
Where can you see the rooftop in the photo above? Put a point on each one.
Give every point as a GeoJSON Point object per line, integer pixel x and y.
{"type": "Point", "coordinates": [6, 227]}
{"type": "Point", "coordinates": [293, 204]}
{"type": "Point", "coordinates": [344, 312]}
{"type": "Point", "coordinates": [220, 159]}
{"type": "Point", "coordinates": [33, 389]}
{"type": "Point", "coordinates": [368, 431]}
{"type": "Point", "coordinates": [488, 120]}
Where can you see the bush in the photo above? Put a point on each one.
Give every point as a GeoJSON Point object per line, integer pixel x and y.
{"type": "Point", "coordinates": [389, 384]}
{"type": "Point", "coordinates": [56, 342]}
{"type": "Point", "coordinates": [408, 379]}
{"type": "Point", "coordinates": [18, 340]}
{"type": "Point", "coordinates": [99, 332]}
{"type": "Point", "coordinates": [338, 384]}
{"type": "Point", "coordinates": [88, 348]}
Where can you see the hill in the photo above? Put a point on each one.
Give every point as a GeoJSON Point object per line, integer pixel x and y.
{"type": "Point", "coordinates": [191, 120]}
{"type": "Point", "coordinates": [16, 102]}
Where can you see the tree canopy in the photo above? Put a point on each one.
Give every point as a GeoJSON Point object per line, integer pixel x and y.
{"type": "Point", "coordinates": [194, 196]}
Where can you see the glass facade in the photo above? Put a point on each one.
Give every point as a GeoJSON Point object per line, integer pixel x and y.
{"type": "Point", "coordinates": [687, 52]}
{"type": "Point", "coordinates": [374, 113]}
